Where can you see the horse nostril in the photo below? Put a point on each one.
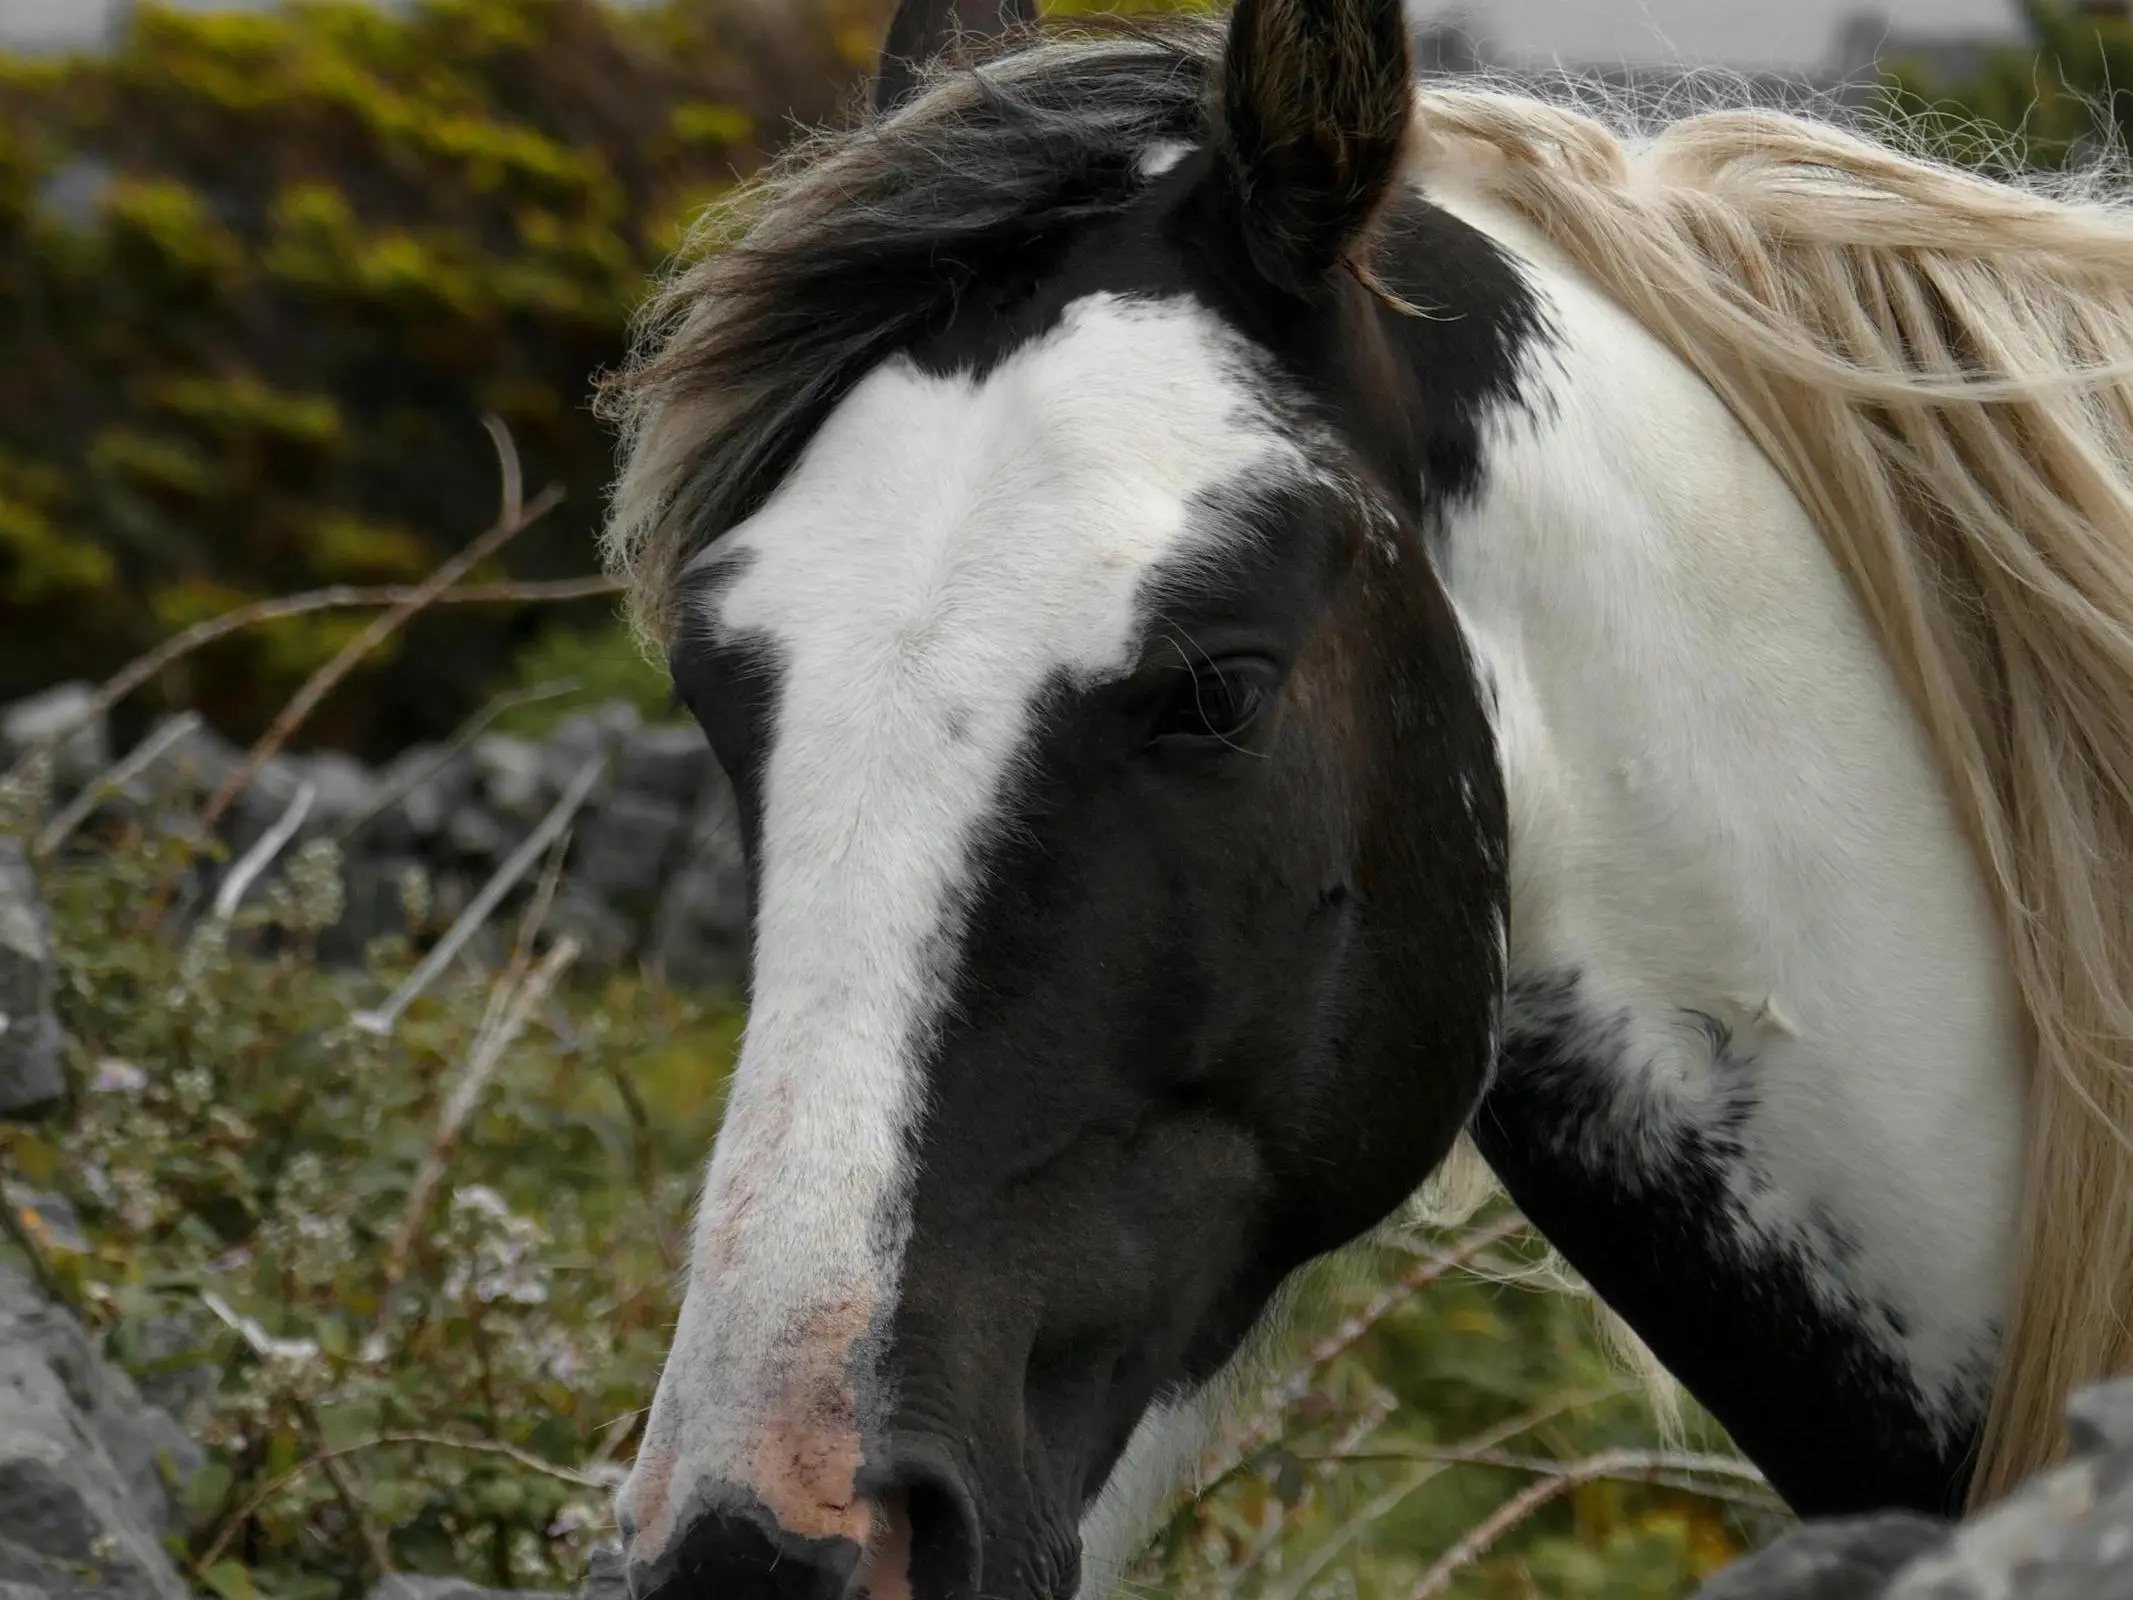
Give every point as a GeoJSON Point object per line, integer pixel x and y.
{"type": "Point", "coordinates": [929, 1546]}
{"type": "Point", "coordinates": [738, 1552]}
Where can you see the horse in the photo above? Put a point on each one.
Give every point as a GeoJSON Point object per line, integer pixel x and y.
{"type": "Point", "coordinates": [1271, 623]}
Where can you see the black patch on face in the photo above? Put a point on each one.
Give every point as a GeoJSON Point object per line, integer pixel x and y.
{"type": "Point", "coordinates": [1646, 1214]}
{"type": "Point", "coordinates": [1213, 1014]}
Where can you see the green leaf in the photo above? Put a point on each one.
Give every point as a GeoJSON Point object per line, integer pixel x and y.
{"type": "Point", "coordinates": [230, 1579]}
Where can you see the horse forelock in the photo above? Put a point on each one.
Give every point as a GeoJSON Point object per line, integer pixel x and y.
{"type": "Point", "coordinates": [851, 246]}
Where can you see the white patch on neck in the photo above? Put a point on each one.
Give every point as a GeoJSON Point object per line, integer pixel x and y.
{"type": "Point", "coordinates": [1720, 800]}
{"type": "Point", "coordinates": [944, 550]}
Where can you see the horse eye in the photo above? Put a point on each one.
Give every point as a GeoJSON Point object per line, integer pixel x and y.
{"type": "Point", "coordinates": [1217, 704]}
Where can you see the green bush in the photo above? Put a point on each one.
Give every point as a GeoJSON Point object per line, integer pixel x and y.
{"type": "Point", "coordinates": [2056, 99]}
{"type": "Point", "coordinates": [262, 271]}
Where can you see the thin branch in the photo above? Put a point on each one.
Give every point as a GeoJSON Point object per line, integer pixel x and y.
{"type": "Point", "coordinates": [509, 524]}
{"type": "Point", "coordinates": [334, 597]}
{"type": "Point", "coordinates": [1383, 1505]}
{"type": "Point", "coordinates": [346, 1491]}
{"type": "Point", "coordinates": [607, 1479]}
{"type": "Point", "coordinates": [383, 1018]}
{"type": "Point", "coordinates": [1266, 1425]}
{"type": "Point", "coordinates": [1628, 1466]}
{"type": "Point", "coordinates": [1684, 1465]}
{"type": "Point", "coordinates": [462, 736]}
{"type": "Point", "coordinates": [530, 923]}
{"type": "Point", "coordinates": [487, 1055]}
{"type": "Point", "coordinates": [257, 859]}
{"type": "Point", "coordinates": [114, 779]}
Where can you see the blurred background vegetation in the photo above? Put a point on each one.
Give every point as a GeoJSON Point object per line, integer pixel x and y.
{"type": "Point", "coordinates": [260, 275]}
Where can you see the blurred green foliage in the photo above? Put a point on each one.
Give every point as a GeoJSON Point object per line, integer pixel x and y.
{"type": "Point", "coordinates": [261, 272]}
{"type": "Point", "coordinates": [2055, 99]}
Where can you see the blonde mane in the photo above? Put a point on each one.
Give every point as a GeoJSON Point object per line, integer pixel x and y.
{"type": "Point", "coordinates": [1941, 367]}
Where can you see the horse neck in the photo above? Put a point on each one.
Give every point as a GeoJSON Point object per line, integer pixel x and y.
{"type": "Point", "coordinates": [1762, 1081]}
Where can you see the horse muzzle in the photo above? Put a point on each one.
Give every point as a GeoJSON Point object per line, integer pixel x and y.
{"type": "Point", "coordinates": [910, 1531]}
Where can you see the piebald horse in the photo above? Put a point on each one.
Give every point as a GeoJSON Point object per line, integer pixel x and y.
{"type": "Point", "coordinates": [1263, 617]}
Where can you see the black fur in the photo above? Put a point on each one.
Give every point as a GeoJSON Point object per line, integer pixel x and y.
{"type": "Point", "coordinates": [1641, 1202]}
{"type": "Point", "coordinates": [920, 31]}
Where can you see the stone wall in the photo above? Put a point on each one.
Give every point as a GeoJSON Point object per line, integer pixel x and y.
{"type": "Point", "coordinates": [655, 872]}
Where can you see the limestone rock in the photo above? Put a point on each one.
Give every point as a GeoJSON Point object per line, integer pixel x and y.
{"type": "Point", "coordinates": [26, 724]}
{"type": "Point", "coordinates": [2066, 1534]}
{"type": "Point", "coordinates": [30, 1076]}
{"type": "Point", "coordinates": [82, 1498]}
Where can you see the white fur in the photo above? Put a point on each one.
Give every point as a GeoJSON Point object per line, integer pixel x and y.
{"type": "Point", "coordinates": [1720, 800]}
{"type": "Point", "coordinates": [941, 551]}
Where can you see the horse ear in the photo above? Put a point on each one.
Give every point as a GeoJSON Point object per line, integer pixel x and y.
{"type": "Point", "coordinates": [1316, 100]}
{"type": "Point", "coordinates": [923, 29]}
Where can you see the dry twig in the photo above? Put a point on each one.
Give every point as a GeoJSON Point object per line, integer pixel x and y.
{"type": "Point", "coordinates": [114, 779]}
{"type": "Point", "coordinates": [482, 1062]}
{"type": "Point", "coordinates": [383, 1019]}
{"type": "Point", "coordinates": [335, 597]}
{"type": "Point", "coordinates": [510, 522]}
{"type": "Point", "coordinates": [1383, 1505]}
{"type": "Point", "coordinates": [1629, 1466]}
{"type": "Point", "coordinates": [1266, 1425]}
{"type": "Point", "coordinates": [604, 1480]}
{"type": "Point", "coordinates": [462, 736]}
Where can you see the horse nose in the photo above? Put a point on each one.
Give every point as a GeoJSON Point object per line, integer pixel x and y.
{"type": "Point", "coordinates": [913, 1536]}
{"type": "Point", "coordinates": [736, 1550]}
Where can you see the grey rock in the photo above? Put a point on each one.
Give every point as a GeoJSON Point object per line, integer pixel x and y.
{"type": "Point", "coordinates": [481, 834]}
{"type": "Point", "coordinates": [432, 786]}
{"type": "Point", "coordinates": [1850, 1558]}
{"type": "Point", "coordinates": [192, 768]}
{"type": "Point", "coordinates": [2066, 1535]}
{"type": "Point", "coordinates": [27, 724]}
{"type": "Point", "coordinates": [606, 938]}
{"type": "Point", "coordinates": [82, 1502]}
{"type": "Point", "coordinates": [700, 930]}
{"type": "Point", "coordinates": [177, 1364]}
{"type": "Point", "coordinates": [346, 789]}
{"type": "Point", "coordinates": [666, 761]}
{"type": "Point", "coordinates": [260, 804]}
{"type": "Point", "coordinates": [2100, 1418]}
{"type": "Point", "coordinates": [30, 1076]}
{"type": "Point", "coordinates": [579, 739]}
{"type": "Point", "coordinates": [511, 775]}
{"type": "Point", "coordinates": [55, 1216]}
{"type": "Point", "coordinates": [627, 846]}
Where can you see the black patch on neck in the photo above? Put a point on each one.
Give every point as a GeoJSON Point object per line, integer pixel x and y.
{"type": "Point", "coordinates": [1805, 1389]}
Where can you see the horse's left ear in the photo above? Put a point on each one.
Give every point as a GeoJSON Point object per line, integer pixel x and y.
{"type": "Point", "coordinates": [1316, 100]}
{"type": "Point", "coordinates": [923, 29]}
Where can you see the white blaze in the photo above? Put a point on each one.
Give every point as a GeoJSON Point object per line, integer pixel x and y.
{"type": "Point", "coordinates": [944, 549]}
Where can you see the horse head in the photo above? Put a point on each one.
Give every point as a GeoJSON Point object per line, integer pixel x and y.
{"type": "Point", "coordinates": [1051, 498]}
